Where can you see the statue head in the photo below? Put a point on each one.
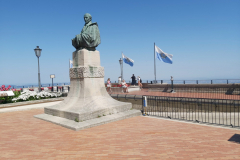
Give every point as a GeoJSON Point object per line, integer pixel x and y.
{"type": "Point", "coordinates": [87, 18]}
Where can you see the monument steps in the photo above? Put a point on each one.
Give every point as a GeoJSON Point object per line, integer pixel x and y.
{"type": "Point", "coordinates": [88, 108]}
{"type": "Point", "coordinates": [76, 126]}
{"type": "Point", "coordinates": [133, 88]}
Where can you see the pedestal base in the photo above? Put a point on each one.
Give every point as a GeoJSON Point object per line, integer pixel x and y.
{"type": "Point", "coordinates": [88, 98]}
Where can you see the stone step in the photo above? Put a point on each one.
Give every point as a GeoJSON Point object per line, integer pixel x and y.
{"type": "Point", "coordinates": [73, 125]}
{"type": "Point", "coordinates": [132, 86]}
{"type": "Point", "coordinates": [130, 89]}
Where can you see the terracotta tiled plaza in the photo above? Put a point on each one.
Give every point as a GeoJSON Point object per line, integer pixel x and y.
{"type": "Point", "coordinates": [24, 137]}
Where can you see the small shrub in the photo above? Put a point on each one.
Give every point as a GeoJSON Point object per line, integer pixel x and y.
{"type": "Point", "coordinates": [76, 120]}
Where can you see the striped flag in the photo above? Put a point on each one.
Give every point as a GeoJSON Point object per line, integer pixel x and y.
{"type": "Point", "coordinates": [162, 56]}
{"type": "Point", "coordinates": [127, 60]}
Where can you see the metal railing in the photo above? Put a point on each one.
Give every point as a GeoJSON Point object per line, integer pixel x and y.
{"type": "Point", "coordinates": [233, 89]}
{"type": "Point", "coordinates": [199, 110]}
{"type": "Point", "coordinates": [42, 85]}
{"type": "Point", "coordinates": [213, 81]}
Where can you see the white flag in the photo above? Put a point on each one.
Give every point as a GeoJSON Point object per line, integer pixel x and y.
{"type": "Point", "coordinates": [70, 64]}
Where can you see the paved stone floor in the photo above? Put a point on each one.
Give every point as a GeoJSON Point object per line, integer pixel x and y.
{"type": "Point", "coordinates": [24, 137]}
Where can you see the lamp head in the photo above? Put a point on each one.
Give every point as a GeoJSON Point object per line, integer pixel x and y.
{"type": "Point", "coordinates": [38, 51]}
{"type": "Point", "coordinates": [120, 61]}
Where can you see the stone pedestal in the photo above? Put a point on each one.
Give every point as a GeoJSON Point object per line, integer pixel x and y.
{"type": "Point", "coordinates": [88, 98]}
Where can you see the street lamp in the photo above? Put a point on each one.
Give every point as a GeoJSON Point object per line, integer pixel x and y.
{"type": "Point", "coordinates": [121, 66]}
{"type": "Point", "coordinates": [38, 54]}
{"type": "Point", "coordinates": [52, 76]}
{"type": "Point", "coordinates": [172, 91]}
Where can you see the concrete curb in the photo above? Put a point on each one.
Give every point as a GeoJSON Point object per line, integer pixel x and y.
{"type": "Point", "coordinates": [8, 105]}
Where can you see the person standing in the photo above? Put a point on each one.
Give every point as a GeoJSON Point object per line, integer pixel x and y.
{"type": "Point", "coordinates": [109, 86]}
{"type": "Point", "coordinates": [133, 80]}
{"type": "Point", "coordinates": [119, 80]}
{"type": "Point", "coordinates": [139, 82]}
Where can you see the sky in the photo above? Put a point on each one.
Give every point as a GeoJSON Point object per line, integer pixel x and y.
{"type": "Point", "coordinates": [202, 35]}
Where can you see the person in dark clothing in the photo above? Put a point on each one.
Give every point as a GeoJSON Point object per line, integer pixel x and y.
{"type": "Point", "coordinates": [133, 79]}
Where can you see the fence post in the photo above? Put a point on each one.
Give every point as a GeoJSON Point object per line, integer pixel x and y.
{"type": "Point", "coordinates": [68, 88]}
{"type": "Point", "coordinates": [57, 87]}
{"type": "Point", "coordinates": [197, 81]}
{"type": "Point", "coordinates": [144, 104]}
{"type": "Point", "coordinates": [184, 82]}
{"type": "Point", "coordinates": [227, 81]}
{"type": "Point", "coordinates": [147, 81]}
{"type": "Point", "coordinates": [172, 91]}
{"type": "Point", "coordinates": [161, 81]}
{"type": "Point", "coordinates": [211, 81]}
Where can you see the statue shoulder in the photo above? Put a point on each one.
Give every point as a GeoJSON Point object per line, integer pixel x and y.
{"type": "Point", "coordinates": [94, 23]}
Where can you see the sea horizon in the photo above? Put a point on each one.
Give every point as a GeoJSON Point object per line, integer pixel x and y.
{"type": "Point", "coordinates": [213, 81]}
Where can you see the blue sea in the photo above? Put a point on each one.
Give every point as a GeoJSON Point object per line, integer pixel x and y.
{"type": "Point", "coordinates": [214, 81]}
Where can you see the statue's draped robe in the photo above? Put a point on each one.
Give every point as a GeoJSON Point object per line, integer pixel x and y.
{"type": "Point", "coordinates": [88, 38]}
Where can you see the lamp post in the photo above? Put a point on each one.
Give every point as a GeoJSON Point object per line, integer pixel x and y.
{"type": "Point", "coordinates": [52, 76]}
{"type": "Point", "coordinates": [38, 54]}
{"type": "Point", "coordinates": [172, 91]}
{"type": "Point", "coordinates": [121, 66]}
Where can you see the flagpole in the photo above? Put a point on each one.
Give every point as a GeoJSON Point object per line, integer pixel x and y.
{"type": "Point", "coordinates": [122, 68]}
{"type": "Point", "coordinates": [154, 63]}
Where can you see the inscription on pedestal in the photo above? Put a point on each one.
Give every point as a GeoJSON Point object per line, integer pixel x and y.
{"type": "Point", "coordinates": [87, 72]}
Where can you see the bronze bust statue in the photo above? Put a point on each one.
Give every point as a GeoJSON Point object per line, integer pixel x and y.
{"type": "Point", "coordinates": [89, 38]}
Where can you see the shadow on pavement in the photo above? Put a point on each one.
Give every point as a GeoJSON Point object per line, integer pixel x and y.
{"type": "Point", "coordinates": [235, 138]}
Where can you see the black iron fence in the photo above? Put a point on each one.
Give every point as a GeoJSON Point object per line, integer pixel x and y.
{"type": "Point", "coordinates": [211, 111]}
{"type": "Point", "coordinates": [211, 81]}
